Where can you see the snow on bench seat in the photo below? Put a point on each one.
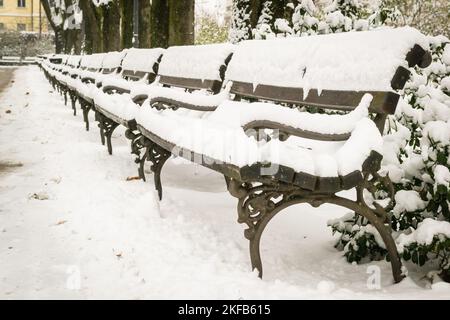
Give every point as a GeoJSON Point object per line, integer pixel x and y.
{"type": "Point", "coordinates": [353, 61]}
{"type": "Point", "coordinates": [90, 65]}
{"type": "Point", "coordinates": [111, 63]}
{"type": "Point", "coordinates": [195, 62]}
{"type": "Point", "coordinates": [185, 64]}
{"type": "Point", "coordinates": [200, 67]}
{"type": "Point", "coordinates": [141, 59]}
{"type": "Point", "coordinates": [200, 98]}
{"type": "Point", "coordinates": [113, 59]}
{"type": "Point", "coordinates": [139, 66]}
{"type": "Point", "coordinates": [68, 70]}
{"type": "Point", "coordinates": [118, 107]}
{"type": "Point", "coordinates": [242, 113]}
{"type": "Point", "coordinates": [85, 84]}
{"type": "Point", "coordinates": [220, 136]}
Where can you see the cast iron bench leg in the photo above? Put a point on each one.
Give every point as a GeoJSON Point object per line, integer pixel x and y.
{"type": "Point", "coordinates": [107, 127]}
{"type": "Point", "coordinates": [99, 117]}
{"type": "Point", "coordinates": [86, 109]}
{"type": "Point", "coordinates": [259, 203]}
{"type": "Point", "coordinates": [158, 157]}
{"type": "Point", "coordinates": [73, 99]}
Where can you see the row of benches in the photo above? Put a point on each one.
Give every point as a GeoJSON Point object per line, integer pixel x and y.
{"type": "Point", "coordinates": [286, 121]}
{"type": "Point", "coordinates": [16, 61]}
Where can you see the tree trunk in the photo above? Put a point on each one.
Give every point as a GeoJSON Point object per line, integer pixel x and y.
{"type": "Point", "coordinates": [78, 41]}
{"type": "Point", "coordinates": [59, 40]}
{"type": "Point", "coordinates": [68, 40]}
{"type": "Point", "coordinates": [93, 30]}
{"type": "Point", "coordinates": [145, 14]}
{"type": "Point", "coordinates": [111, 26]}
{"type": "Point", "coordinates": [279, 9]}
{"type": "Point", "coordinates": [57, 29]}
{"type": "Point", "coordinates": [255, 11]}
{"type": "Point", "coordinates": [126, 23]}
{"type": "Point", "coordinates": [181, 22]}
{"type": "Point", "coordinates": [159, 26]}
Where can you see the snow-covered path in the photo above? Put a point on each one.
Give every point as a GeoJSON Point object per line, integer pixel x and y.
{"type": "Point", "coordinates": [101, 236]}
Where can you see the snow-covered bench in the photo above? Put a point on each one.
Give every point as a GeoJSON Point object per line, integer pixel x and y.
{"type": "Point", "coordinates": [314, 156]}
{"type": "Point", "coordinates": [91, 65]}
{"type": "Point", "coordinates": [195, 84]}
{"type": "Point", "coordinates": [51, 66]}
{"type": "Point", "coordinates": [65, 76]}
{"type": "Point", "coordinates": [139, 67]}
{"type": "Point", "coordinates": [110, 67]}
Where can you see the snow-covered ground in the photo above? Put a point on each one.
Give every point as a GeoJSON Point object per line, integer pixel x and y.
{"type": "Point", "coordinates": [72, 226]}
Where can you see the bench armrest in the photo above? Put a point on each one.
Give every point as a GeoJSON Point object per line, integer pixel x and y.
{"type": "Point", "coordinates": [139, 99]}
{"type": "Point", "coordinates": [115, 89]}
{"type": "Point", "coordinates": [286, 131]}
{"type": "Point", "coordinates": [88, 80]}
{"type": "Point", "coordinates": [162, 102]}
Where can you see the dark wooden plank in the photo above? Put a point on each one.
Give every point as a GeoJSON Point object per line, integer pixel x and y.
{"type": "Point", "coordinates": [383, 102]}
{"type": "Point", "coordinates": [190, 83]}
{"type": "Point", "coordinates": [134, 75]}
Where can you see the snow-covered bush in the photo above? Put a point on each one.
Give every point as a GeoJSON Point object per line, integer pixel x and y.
{"type": "Point", "coordinates": [22, 44]}
{"type": "Point", "coordinates": [263, 29]}
{"type": "Point", "coordinates": [240, 22]}
{"type": "Point", "coordinates": [416, 157]}
{"type": "Point", "coordinates": [304, 18]}
{"type": "Point", "coordinates": [208, 30]}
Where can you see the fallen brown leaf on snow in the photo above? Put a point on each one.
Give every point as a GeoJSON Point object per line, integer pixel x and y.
{"type": "Point", "coordinates": [60, 222]}
{"type": "Point", "coordinates": [133, 178]}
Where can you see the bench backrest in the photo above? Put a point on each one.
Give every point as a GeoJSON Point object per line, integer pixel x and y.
{"type": "Point", "coordinates": [74, 61]}
{"type": "Point", "coordinates": [141, 63]}
{"type": "Point", "coordinates": [195, 67]}
{"type": "Point", "coordinates": [112, 61]}
{"type": "Point", "coordinates": [55, 58]}
{"type": "Point", "coordinates": [92, 62]}
{"type": "Point", "coordinates": [329, 71]}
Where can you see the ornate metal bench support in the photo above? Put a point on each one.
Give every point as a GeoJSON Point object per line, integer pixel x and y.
{"type": "Point", "coordinates": [73, 99]}
{"type": "Point", "coordinates": [260, 202]}
{"type": "Point", "coordinates": [158, 156]}
{"type": "Point", "coordinates": [86, 107]}
{"type": "Point", "coordinates": [136, 147]}
{"type": "Point", "coordinates": [65, 96]}
{"type": "Point", "coordinates": [107, 127]}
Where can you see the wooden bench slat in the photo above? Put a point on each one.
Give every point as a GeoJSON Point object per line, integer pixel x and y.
{"type": "Point", "coordinates": [194, 84]}
{"type": "Point", "coordinates": [383, 102]}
